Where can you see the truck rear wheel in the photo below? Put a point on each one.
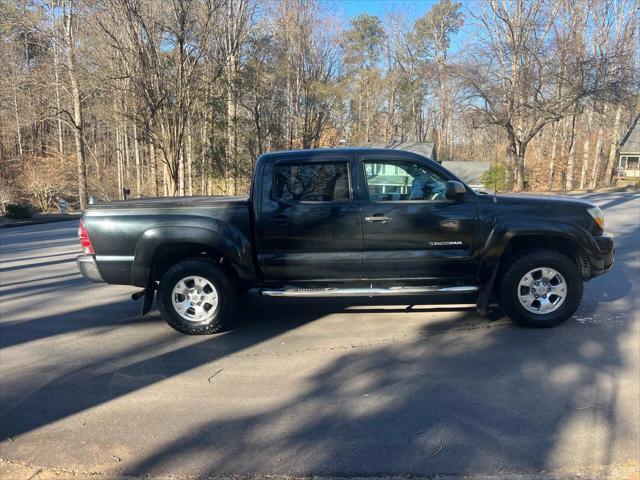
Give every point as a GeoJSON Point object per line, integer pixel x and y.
{"type": "Point", "coordinates": [542, 288]}
{"type": "Point", "coordinates": [196, 297]}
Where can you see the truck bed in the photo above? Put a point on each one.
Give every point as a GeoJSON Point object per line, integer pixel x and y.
{"type": "Point", "coordinates": [117, 229]}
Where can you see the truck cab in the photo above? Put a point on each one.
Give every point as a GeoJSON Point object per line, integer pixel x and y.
{"type": "Point", "coordinates": [362, 215]}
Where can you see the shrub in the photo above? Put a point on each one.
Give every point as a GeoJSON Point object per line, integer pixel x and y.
{"type": "Point", "coordinates": [495, 179]}
{"type": "Point", "coordinates": [19, 210]}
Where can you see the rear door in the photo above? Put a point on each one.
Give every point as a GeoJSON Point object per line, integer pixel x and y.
{"type": "Point", "coordinates": [308, 226]}
{"type": "Point", "coordinates": [411, 230]}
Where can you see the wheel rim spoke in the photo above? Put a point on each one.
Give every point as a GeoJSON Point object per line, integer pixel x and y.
{"type": "Point", "coordinates": [527, 299]}
{"type": "Point", "coordinates": [181, 306]}
{"type": "Point", "coordinates": [545, 305]}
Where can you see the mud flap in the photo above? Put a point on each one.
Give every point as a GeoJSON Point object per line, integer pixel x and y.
{"type": "Point", "coordinates": [484, 297]}
{"type": "Point", "coordinates": [149, 293]}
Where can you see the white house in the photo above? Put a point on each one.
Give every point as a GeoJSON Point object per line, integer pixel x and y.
{"type": "Point", "coordinates": [629, 152]}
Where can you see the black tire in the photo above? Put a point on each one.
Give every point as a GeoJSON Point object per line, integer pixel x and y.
{"type": "Point", "coordinates": [521, 265]}
{"type": "Point", "coordinates": [222, 316]}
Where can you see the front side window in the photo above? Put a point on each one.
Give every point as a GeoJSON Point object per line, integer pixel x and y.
{"type": "Point", "coordinates": [390, 180]}
{"type": "Point", "coordinates": [312, 182]}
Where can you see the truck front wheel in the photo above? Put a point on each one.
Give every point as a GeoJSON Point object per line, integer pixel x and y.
{"type": "Point", "coordinates": [541, 288]}
{"type": "Point", "coordinates": [196, 297]}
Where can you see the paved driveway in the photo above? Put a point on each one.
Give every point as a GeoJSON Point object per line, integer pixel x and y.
{"type": "Point", "coordinates": [333, 388]}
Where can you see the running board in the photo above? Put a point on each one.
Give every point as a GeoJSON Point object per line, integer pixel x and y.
{"type": "Point", "coordinates": [363, 292]}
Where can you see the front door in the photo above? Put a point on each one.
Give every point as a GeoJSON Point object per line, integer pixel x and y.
{"type": "Point", "coordinates": [309, 227]}
{"type": "Point", "coordinates": [411, 230]}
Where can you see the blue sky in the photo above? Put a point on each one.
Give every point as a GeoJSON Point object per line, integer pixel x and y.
{"type": "Point", "coordinates": [412, 9]}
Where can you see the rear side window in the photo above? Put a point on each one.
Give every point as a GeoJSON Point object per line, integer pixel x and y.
{"type": "Point", "coordinates": [312, 182]}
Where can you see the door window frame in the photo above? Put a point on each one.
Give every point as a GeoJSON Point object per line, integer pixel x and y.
{"type": "Point", "coordinates": [308, 161]}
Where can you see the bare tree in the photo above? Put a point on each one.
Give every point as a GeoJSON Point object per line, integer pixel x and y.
{"type": "Point", "coordinates": [512, 76]}
{"type": "Point", "coordinates": [78, 131]}
{"type": "Point", "coordinates": [146, 45]}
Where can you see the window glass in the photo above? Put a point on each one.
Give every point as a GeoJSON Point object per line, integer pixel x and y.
{"type": "Point", "coordinates": [389, 180]}
{"type": "Point", "coordinates": [312, 182]}
{"type": "Point", "coordinates": [622, 162]}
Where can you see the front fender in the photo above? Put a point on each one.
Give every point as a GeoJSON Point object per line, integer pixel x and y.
{"type": "Point", "coordinates": [500, 236]}
{"type": "Point", "coordinates": [217, 235]}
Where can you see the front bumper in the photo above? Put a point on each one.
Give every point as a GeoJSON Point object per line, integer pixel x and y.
{"type": "Point", "coordinates": [607, 248]}
{"type": "Point", "coordinates": [89, 268]}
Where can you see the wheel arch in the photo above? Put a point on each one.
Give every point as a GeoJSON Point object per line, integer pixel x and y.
{"type": "Point", "coordinates": [161, 247]}
{"type": "Point", "coordinates": [566, 245]}
{"type": "Point", "coordinates": [503, 242]}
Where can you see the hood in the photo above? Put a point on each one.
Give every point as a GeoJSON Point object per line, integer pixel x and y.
{"type": "Point", "coordinates": [541, 201]}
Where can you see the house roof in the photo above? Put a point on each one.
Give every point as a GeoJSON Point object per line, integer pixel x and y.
{"type": "Point", "coordinates": [631, 141]}
{"type": "Point", "coordinates": [426, 149]}
{"type": "Point", "coordinates": [469, 171]}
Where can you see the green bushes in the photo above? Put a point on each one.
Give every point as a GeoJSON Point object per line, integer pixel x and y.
{"type": "Point", "coordinates": [19, 210]}
{"type": "Point", "coordinates": [495, 179]}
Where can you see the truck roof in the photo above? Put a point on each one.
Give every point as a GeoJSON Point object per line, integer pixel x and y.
{"type": "Point", "coordinates": [339, 151]}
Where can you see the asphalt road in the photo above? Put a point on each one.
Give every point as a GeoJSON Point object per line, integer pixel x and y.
{"type": "Point", "coordinates": [324, 387]}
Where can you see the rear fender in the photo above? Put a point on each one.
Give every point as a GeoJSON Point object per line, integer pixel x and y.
{"type": "Point", "coordinates": [218, 236]}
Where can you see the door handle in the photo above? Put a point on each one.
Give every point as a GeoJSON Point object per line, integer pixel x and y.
{"type": "Point", "coordinates": [281, 220]}
{"type": "Point", "coordinates": [377, 217]}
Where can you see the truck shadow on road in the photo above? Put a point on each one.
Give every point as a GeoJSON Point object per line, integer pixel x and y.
{"type": "Point", "coordinates": [442, 404]}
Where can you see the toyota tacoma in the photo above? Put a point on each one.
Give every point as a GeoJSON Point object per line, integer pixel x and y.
{"type": "Point", "coordinates": [348, 222]}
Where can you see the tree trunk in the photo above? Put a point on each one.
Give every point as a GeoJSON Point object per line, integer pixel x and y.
{"type": "Point", "coordinates": [554, 152]}
{"type": "Point", "coordinates": [613, 147]}
{"type": "Point", "coordinates": [56, 70]}
{"type": "Point", "coordinates": [595, 172]}
{"type": "Point", "coordinates": [119, 163]}
{"type": "Point", "coordinates": [391, 101]}
{"type": "Point", "coordinates": [136, 148]}
{"type": "Point", "coordinates": [585, 162]}
{"type": "Point", "coordinates": [232, 120]}
{"type": "Point", "coordinates": [181, 176]}
{"type": "Point", "coordinates": [189, 157]}
{"type": "Point", "coordinates": [571, 158]}
{"type": "Point", "coordinates": [154, 170]}
{"type": "Point", "coordinates": [203, 159]}
{"type": "Point", "coordinates": [127, 155]}
{"type": "Point", "coordinates": [167, 181]}
{"type": "Point", "coordinates": [586, 152]}
{"type": "Point", "coordinates": [232, 100]}
{"type": "Point", "coordinates": [77, 106]}
{"type": "Point", "coordinates": [520, 151]}
{"type": "Point", "coordinates": [17, 117]}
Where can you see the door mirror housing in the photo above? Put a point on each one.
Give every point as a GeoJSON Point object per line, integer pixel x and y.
{"type": "Point", "coordinates": [455, 190]}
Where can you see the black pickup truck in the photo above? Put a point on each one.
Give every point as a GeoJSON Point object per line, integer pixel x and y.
{"type": "Point", "coordinates": [348, 222]}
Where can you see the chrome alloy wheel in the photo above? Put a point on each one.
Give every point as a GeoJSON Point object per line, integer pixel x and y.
{"type": "Point", "coordinates": [542, 290]}
{"type": "Point", "coordinates": [195, 299]}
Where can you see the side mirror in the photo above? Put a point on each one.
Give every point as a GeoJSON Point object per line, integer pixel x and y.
{"type": "Point", "coordinates": [454, 190]}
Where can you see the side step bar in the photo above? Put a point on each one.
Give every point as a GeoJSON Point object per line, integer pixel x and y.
{"type": "Point", "coordinates": [363, 292]}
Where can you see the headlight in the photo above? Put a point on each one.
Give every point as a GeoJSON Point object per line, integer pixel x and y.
{"type": "Point", "coordinates": [598, 216]}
